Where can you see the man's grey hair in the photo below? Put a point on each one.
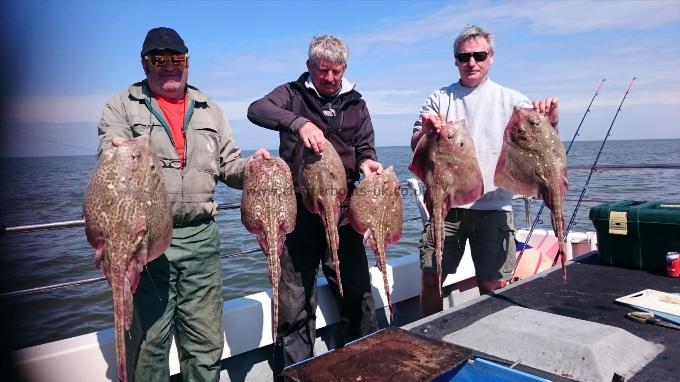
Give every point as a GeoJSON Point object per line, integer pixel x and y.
{"type": "Point", "coordinates": [471, 32]}
{"type": "Point", "coordinates": [329, 48]}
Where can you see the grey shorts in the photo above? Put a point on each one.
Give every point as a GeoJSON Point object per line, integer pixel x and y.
{"type": "Point", "coordinates": [492, 243]}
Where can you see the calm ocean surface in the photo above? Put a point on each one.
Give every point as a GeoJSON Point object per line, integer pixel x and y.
{"type": "Point", "coordinates": [42, 190]}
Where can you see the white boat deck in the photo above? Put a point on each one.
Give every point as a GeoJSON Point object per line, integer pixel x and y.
{"type": "Point", "coordinates": [247, 322]}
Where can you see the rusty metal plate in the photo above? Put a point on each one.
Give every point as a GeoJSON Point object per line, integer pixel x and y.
{"type": "Point", "coordinates": [391, 354]}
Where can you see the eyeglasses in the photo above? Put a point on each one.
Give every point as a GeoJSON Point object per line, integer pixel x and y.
{"type": "Point", "coordinates": [171, 163]}
{"type": "Point", "coordinates": [478, 56]}
{"type": "Point", "coordinates": [159, 61]}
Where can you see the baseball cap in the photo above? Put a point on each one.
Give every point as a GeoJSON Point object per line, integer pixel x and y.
{"type": "Point", "coordinates": [163, 38]}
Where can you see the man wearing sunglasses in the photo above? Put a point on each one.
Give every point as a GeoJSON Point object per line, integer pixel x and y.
{"type": "Point", "coordinates": [183, 287]}
{"type": "Point", "coordinates": [487, 223]}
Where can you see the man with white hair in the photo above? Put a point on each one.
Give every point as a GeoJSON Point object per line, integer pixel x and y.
{"type": "Point", "coordinates": [487, 223]}
{"type": "Point", "coordinates": [321, 105]}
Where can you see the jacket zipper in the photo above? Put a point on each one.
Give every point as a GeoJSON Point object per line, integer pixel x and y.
{"type": "Point", "coordinates": [304, 94]}
{"type": "Point", "coordinates": [188, 113]}
{"type": "Point", "coordinates": [187, 117]}
{"type": "Point", "coordinates": [159, 116]}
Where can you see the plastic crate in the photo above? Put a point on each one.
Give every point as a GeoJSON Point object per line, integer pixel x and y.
{"type": "Point", "coordinates": [479, 369]}
{"type": "Point", "coordinates": [637, 234]}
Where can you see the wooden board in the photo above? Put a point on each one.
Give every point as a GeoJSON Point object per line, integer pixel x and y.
{"type": "Point", "coordinates": [391, 354]}
{"type": "Point", "coordinates": [665, 305]}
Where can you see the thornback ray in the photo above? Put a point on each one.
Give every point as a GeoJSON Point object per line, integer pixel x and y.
{"type": "Point", "coordinates": [128, 221]}
{"type": "Point", "coordinates": [375, 210]}
{"type": "Point", "coordinates": [323, 187]}
{"type": "Point", "coordinates": [447, 164]}
{"type": "Point", "coordinates": [268, 210]}
{"type": "Point", "coordinates": [533, 163]}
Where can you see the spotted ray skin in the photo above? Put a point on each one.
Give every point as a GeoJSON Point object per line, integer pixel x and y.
{"type": "Point", "coordinates": [448, 166]}
{"type": "Point", "coordinates": [375, 210]}
{"type": "Point", "coordinates": [323, 186]}
{"type": "Point", "coordinates": [128, 221]}
{"type": "Point", "coordinates": [533, 163]}
{"type": "Point", "coordinates": [268, 210]}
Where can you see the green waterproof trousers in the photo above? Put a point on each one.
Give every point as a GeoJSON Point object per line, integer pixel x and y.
{"type": "Point", "coordinates": [180, 292]}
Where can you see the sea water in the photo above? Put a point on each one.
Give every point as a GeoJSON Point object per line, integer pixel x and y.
{"type": "Point", "coordinates": [50, 189]}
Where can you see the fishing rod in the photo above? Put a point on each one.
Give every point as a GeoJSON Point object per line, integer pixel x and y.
{"type": "Point", "coordinates": [540, 210]}
{"type": "Point", "coordinates": [578, 129]}
{"type": "Point", "coordinates": [594, 166]}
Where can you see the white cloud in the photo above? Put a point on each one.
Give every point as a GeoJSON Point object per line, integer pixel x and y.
{"type": "Point", "coordinates": [380, 102]}
{"type": "Point", "coordinates": [567, 17]}
{"type": "Point", "coordinates": [232, 64]}
{"type": "Point", "coordinates": [400, 86]}
{"type": "Point", "coordinates": [56, 109]}
{"type": "Point", "coordinates": [76, 109]}
{"type": "Point", "coordinates": [541, 17]}
{"type": "Point", "coordinates": [234, 109]}
{"type": "Point", "coordinates": [279, 55]}
{"type": "Point", "coordinates": [393, 102]}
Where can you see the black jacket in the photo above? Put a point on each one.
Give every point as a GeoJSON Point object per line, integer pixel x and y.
{"type": "Point", "coordinates": [288, 107]}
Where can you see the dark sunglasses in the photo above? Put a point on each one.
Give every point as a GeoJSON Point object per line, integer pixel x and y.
{"type": "Point", "coordinates": [159, 61]}
{"type": "Point", "coordinates": [465, 57]}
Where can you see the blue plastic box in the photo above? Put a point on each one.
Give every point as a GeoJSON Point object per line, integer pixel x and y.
{"type": "Point", "coordinates": [480, 369]}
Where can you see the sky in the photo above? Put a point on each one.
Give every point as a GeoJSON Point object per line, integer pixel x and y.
{"type": "Point", "coordinates": [63, 60]}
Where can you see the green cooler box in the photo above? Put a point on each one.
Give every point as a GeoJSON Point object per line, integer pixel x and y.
{"type": "Point", "coordinates": [635, 234]}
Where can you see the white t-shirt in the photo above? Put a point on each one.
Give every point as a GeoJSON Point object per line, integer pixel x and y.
{"type": "Point", "coordinates": [486, 110]}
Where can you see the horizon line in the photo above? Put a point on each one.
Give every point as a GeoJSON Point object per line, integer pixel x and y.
{"type": "Point", "coordinates": [2, 157]}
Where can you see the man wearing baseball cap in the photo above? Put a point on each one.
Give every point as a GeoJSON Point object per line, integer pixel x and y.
{"type": "Point", "coordinates": [192, 139]}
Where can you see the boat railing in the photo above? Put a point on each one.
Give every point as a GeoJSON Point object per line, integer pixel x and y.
{"type": "Point", "coordinates": [410, 184]}
{"type": "Point", "coordinates": [95, 352]}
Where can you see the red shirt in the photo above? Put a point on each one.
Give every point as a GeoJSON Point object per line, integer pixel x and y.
{"type": "Point", "coordinates": [173, 110]}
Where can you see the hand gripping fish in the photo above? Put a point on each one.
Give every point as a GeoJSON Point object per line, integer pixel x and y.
{"type": "Point", "coordinates": [533, 163]}
{"type": "Point", "coordinates": [375, 210]}
{"type": "Point", "coordinates": [448, 166]}
{"type": "Point", "coordinates": [268, 210]}
{"type": "Point", "coordinates": [323, 186]}
{"type": "Point", "coordinates": [128, 221]}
